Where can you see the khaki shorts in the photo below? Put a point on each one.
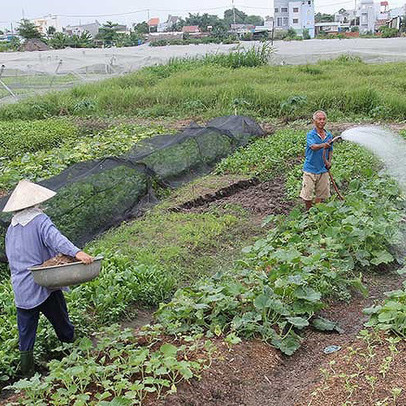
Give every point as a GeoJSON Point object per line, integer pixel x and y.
{"type": "Point", "coordinates": [315, 183]}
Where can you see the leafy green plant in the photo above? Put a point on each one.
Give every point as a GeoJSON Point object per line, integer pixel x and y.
{"type": "Point", "coordinates": [19, 137]}
{"type": "Point", "coordinates": [116, 368]}
{"type": "Point", "coordinates": [391, 315]}
{"type": "Point", "coordinates": [290, 106]}
{"type": "Point", "coordinates": [48, 160]}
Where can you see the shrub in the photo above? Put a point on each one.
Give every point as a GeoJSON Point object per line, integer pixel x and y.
{"type": "Point", "coordinates": [388, 32]}
{"type": "Point", "coordinates": [305, 33]}
{"type": "Point", "coordinates": [280, 34]}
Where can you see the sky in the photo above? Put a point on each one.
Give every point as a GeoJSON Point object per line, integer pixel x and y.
{"type": "Point", "coordinates": [130, 11]}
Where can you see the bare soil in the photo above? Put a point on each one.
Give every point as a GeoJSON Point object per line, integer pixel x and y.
{"type": "Point", "coordinates": [259, 199]}
{"type": "Point", "coordinates": [253, 373]}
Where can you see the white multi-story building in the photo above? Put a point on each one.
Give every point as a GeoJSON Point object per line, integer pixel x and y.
{"type": "Point", "coordinates": [281, 14]}
{"type": "Point", "coordinates": [45, 22]}
{"type": "Point", "coordinates": [367, 14]}
{"type": "Point", "coordinates": [346, 17]}
{"type": "Point", "coordinates": [298, 15]}
{"type": "Point", "coordinates": [301, 16]}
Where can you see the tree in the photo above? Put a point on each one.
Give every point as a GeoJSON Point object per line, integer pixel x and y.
{"type": "Point", "coordinates": [108, 32]}
{"type": "Point", "coordinates": [178, 25]}
{"type": "Point", "coordinates": [323, 18]}
{"type": "Point", "coordinates": [28, 30]}
{"type": "Point", "coordinates": [220, 31]}
{"type": "Point", "coordinates": [403, 24]}
{"type": "Point", "coordinates": [241, 18]}
{"type": "Point", "coordinates": [136, 39]}
{"type": "Point", "coordinates": [291, 33]}
{"type": "Point", "coordinates": [1, 32]}
{"type": "Point", "coordinates": [51, 31]}
{"type": "Point", "coordinates": [141, 28]}
{"type": "Point", "coordinates": [306, 33]}
{"type": "Point", "coordinates": [84, 40]}
{"type": "Point", "coordinates": [15, 43]}
{"type": "Point", "coordinates": [388, 32]}
{"type": "Point", "coordinates": [254, 20]}
{"type": "Point", "coordinates": [203, 21]}
{"type": "Point", "coordinates": [123, 40]}
{"type": "Point", "coordinates": [59, 40]}
{"type": "Point", "coordinates": [229, 14]}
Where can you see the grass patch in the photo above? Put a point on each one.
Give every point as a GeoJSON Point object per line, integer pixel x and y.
{"type": "Point", "coordinates": [187, 245]}
{"type": "Point", "coordinates": [208, 87]}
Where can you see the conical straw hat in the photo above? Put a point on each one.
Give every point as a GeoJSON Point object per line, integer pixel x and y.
{"type": "Point", "coordinates": [27, 194]}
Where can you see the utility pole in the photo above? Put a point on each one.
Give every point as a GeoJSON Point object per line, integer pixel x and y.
{"type": "Point", "coordinates": [149, 27]}
{"type": "Point", "coordinates": [233, 13]}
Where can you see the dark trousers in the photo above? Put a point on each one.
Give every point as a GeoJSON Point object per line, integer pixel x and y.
{"type": "Point", "coordinates": [55, 310]}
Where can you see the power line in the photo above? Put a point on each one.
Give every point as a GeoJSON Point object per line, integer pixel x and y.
{"type": "Point", "coordinates": [101, 15]}
{"type": "Point", "coordinates": [138, 11]}
{"type": "Point", "coordinates": [256, 8]}
{"type": "Point", "coordinates": [335, 4]}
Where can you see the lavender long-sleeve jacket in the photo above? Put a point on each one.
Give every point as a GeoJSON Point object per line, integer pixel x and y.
{"type": "Point", "coordinates": [31, 245]}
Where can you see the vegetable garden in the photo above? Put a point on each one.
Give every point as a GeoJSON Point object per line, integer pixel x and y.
{"type": "Point", "coordinates": [217, 280]}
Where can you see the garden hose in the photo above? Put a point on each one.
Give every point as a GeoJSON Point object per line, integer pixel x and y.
{"type": "Point", "coordinates": [328, 165]}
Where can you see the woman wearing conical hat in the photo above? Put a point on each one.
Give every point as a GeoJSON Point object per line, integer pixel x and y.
{"type": "Point", "coordinates": [32, 239]}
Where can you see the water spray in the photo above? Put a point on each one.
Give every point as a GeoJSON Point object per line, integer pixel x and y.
{"type": "Point", "coordinates": [388, 146]}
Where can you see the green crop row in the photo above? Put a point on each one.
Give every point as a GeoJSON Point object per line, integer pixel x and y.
{"type": "Point", "coordinates": [19, 137]}
{"type": "Point", "coordinates": [339, 230]}
{"type": "Point", "coordinates": [117, 371]}
{"type": "Point", "coordinates": [49, 158]}
{"type": "Point", "coordinates": [284, 279]}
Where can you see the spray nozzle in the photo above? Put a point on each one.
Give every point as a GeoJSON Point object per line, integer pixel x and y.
{"type": "Point", "coordinates": [337, 138]}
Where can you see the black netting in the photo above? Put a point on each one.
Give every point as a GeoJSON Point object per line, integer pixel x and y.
{"type": "Point", "coordinates": [96, 195]}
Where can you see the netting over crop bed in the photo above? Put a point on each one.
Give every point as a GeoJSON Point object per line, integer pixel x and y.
{"type": "Point", "coordinates": [96, 195]}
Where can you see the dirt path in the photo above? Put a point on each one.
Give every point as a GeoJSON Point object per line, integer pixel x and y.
{"type": "Point", "coordinates": [259, 199]}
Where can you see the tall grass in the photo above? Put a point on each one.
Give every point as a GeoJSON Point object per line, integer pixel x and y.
{"type": "Point", "coordinates": [207, 87]}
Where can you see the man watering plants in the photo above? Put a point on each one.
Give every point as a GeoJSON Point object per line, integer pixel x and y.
{"type": "Point", "coordinates": [316, 182]}
{"type": "Point", "coordinates": [32, 239]}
